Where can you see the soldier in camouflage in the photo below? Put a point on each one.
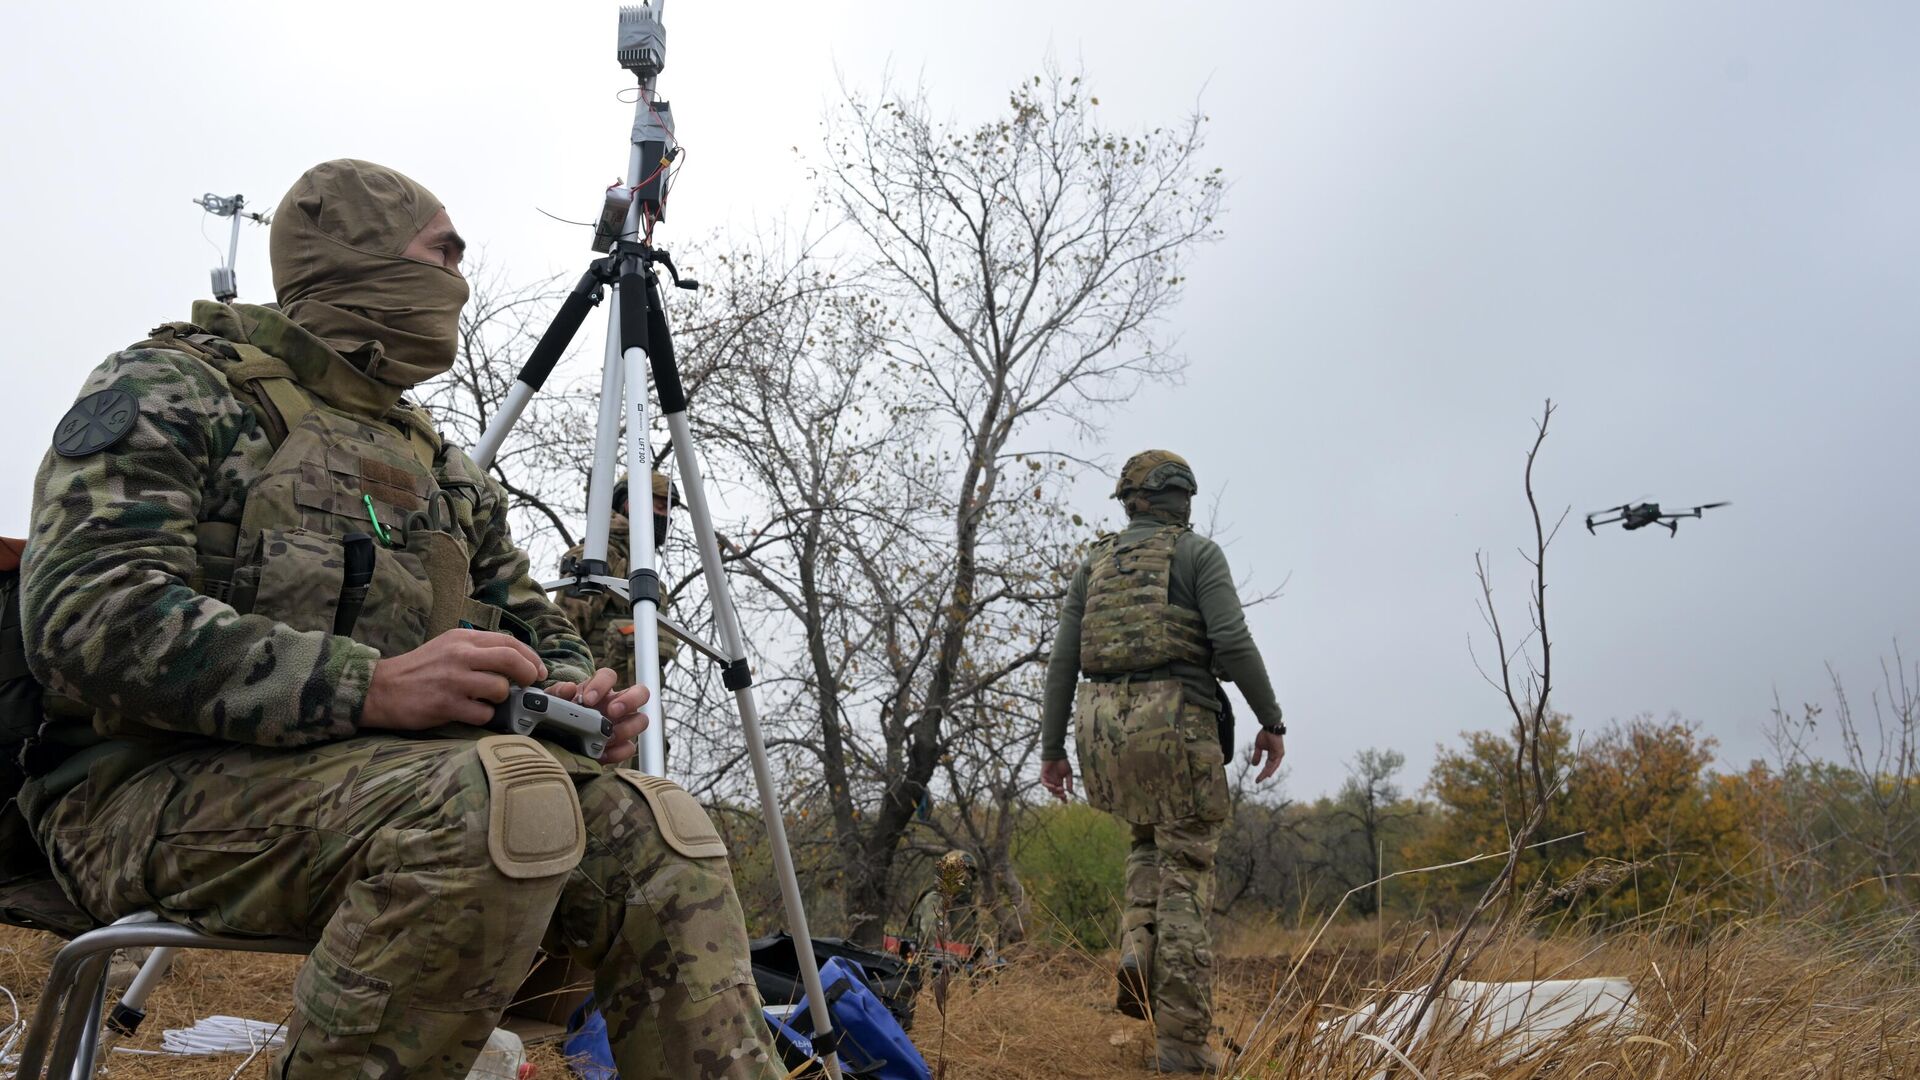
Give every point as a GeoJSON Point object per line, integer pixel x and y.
{"type": "Point", "coordinates": [1152, 620]}
{"type": "Point", "coordinates": [604, 620]}
{"type": "Point", "coordinates": [254, 739]}
{"type": "Point", "coordinates": [956, 876]}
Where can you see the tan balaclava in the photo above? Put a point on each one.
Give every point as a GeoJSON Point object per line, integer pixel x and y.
{"type": "Point", "coordinates": [339, 272]}
{"type": "Point", "coordinates": [662, 489]}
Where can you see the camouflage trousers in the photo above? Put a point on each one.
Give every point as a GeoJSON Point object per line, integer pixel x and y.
{"type": "Point", "coordinates": [377, 848]}
{"type": "Point", "coordinates": [1169, 900]}
{"type": "Point", "coordinates": [1153, 759]}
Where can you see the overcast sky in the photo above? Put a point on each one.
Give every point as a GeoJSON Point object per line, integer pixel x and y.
{"type": "Point", "coordinates": [1696, 227]}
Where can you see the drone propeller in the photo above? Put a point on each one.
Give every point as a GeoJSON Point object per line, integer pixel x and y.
{"type": "Point", "coordinates": [1711, 506]}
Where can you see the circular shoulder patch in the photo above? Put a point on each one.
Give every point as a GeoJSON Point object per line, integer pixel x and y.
{"type": "Point", "coordinates": [96, 422]}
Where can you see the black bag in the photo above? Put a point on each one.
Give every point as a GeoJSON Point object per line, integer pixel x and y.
{"type": "Point", "coordinates": [19, 722]}
{"type": "Point", "coordinates": [776, 971]}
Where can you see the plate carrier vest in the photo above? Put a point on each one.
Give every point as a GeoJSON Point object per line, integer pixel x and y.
{"type": "Point", "coordinates": [1130, 625]}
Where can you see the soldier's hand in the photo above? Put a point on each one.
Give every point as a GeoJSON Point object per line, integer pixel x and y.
{"type": "Point", "coordinates": [1057, 778]}
{"type": "Point", "coordinates": [1272, 748]}
{"type": "Point", "coordinates": [457, 678]}
{"type": "Point", "coordinates": [623, 708]}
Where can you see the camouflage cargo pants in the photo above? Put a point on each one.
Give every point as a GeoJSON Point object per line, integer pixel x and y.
{"type": "Point", "coordinates": [1153, 759]}
{"type": "Point", "coordinates": [378, 849]}
{"type": "Point", "coordinates": [1169, 900]}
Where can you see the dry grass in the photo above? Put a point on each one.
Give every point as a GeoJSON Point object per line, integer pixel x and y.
{"type": "Point", "coordinates": [200, 984]}
{"type": "Point", "coordinates": [1765, 999]}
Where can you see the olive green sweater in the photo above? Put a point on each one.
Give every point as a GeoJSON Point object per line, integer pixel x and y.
{"type": "Point", "coordinates": [1200, 581]}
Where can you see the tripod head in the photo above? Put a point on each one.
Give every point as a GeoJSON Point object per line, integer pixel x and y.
{"type": "Point", "coordinates": [225, 283]}
{"type": "Point", "coordinates": [649, 255]}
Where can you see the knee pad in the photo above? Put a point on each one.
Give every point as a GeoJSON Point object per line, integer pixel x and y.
{"type": "Point", "coordinates": [683, 822]}
{"type": "Point", "coordinates": [534, 827]}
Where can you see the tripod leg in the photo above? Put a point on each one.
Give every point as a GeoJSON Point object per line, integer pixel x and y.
{"type": "Point", "coordinates": [606, 445]}
{"type": "Point", "coordinates": [651, 330]}
{"type": "Point", "coordinates": [643, 582]}
{"type": "Point", "coordinates": [738, 679]}
{"type": "Point", "coordinates": [533, 374]}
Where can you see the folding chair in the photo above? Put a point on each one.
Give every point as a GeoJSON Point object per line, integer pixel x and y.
{"type": "Point", "coordinates": [63, 1040]}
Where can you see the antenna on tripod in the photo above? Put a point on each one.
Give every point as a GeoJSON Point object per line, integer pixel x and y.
{"type": "Point", "coordinates": [639, 343]}
{"type": "Point", "coordinates": [225, 284]}
{"type": "Point", "coordinates": [642, 50]}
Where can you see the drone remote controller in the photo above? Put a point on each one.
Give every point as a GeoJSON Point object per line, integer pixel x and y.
{"type": "Point", "coordinates": [525, 710]}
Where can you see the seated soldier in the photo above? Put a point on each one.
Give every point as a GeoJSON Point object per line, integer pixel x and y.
{"type": "Point", "coordinates": [257, 759]}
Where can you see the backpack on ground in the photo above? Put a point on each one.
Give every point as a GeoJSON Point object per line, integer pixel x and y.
{"type": "Point", "coordinates": [870, 1041]}
{"type": "Point", "coordinates": [776, 972]}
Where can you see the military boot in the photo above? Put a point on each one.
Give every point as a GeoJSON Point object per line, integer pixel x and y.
{"type": "Point", "coordinates": [1187, 1058]}
{"type": "Point", "coordinates": [1131, 996]}
{"type": "Point", "coordinates": [1134, 976]}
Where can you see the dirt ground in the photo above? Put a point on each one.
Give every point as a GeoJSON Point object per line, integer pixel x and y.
{"type": "Point", "coordinates": [1046, 1015]}
{"type": "Point", "coordinates": [1759, 1000]}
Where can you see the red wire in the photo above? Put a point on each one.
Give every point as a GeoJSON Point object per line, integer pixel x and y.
{"type": "Point", "coordinates": [662, 167]}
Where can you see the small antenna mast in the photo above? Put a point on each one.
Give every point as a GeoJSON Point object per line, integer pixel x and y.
{"type": "Point", "coordinates": [225, 283]}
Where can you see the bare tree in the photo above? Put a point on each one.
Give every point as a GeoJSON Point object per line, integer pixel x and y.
{"type": "Point", "coordinates": [1857, 818]}
{"type": "Point", "coordinates": [1027, 262]}
{"type": "Point", "coordinates": [1526, 684]}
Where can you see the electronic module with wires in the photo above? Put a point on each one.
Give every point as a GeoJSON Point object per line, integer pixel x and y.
{"type": "Point", "coordinates": [643, 51]}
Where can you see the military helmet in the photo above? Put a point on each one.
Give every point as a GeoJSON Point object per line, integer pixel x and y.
{"type": "Point", "coordinates": [1155, 470]}
{"type": "Point", "coordinates": [962, 859]}
{"type": "Point", "coordinates": [660, 488]}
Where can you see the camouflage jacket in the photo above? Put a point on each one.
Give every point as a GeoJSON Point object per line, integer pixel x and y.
{"type": "Point", "coordinates": [964, 924]}
{"type": "Point", "coordinates": [1200, 580]}
{"type": "Point", "coordinates": [111, 618]}
{"type": "Point", "coordinates": [604, 620]}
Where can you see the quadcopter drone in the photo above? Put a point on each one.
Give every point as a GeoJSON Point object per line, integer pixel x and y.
{"type": "Point", "coordinates": [1640, 515]}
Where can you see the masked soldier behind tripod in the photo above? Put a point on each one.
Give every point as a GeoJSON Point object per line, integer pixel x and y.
{"type": "Point", "coordinates": [249, 756]}
{"type": "Point", "coordinates": [1149, 618]}
{"type": "Point", "coordinates": [604, 620]}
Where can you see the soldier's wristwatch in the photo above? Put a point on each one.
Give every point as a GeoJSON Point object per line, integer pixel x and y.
{"type": "Point", "coordinates": [1278, 728]}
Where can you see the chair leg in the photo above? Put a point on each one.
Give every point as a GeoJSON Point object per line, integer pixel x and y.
{"type": "Point", "coordinates": [89, 983]}
{"type": "Point", "coordinates": [87, 1059]}
{"type": "Point", "coordinates": [80, 967]}
{"type": "Point", "coordinates": [72, 1002]}
{"type": "Point", "coordinates": [47, 1013]}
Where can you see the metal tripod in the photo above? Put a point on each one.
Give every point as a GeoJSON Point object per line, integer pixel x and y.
{"type": "Point", "coordinates": [638, 342]}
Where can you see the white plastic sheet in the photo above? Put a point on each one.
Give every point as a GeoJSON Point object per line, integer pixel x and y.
{"type": "Point", "coordinates": [1517, 1016]}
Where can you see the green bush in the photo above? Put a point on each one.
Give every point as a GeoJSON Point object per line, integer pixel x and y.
{"type": "Point", "coordinates": [1072, 860]}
